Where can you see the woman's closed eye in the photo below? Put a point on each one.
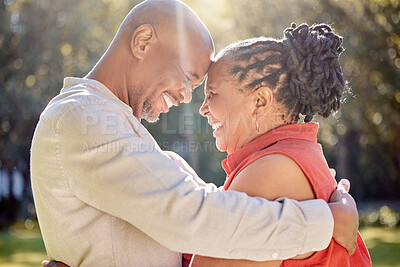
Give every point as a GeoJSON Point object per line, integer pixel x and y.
{"type": "Point", "coordinates": [209, 95]}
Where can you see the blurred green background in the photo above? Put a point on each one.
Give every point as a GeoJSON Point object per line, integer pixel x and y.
{"type": "Point", "coordinates": [43, 41]}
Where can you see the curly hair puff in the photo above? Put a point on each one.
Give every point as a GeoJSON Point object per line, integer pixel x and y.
{"type": "Point", "coordinates": [302, 68]}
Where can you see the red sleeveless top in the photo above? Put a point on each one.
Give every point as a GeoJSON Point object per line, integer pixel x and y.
{"type": "Point", "coordinates": [299, 142]}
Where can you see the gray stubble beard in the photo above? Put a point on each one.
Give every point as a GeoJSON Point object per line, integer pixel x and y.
{"type": "Point", "coordinates": [148, 112]}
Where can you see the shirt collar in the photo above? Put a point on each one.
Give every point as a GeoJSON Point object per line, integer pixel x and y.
{"type": "Point", "coordinates": [70, 82]}
{"type": "Point", "coordinates": [303, 131]}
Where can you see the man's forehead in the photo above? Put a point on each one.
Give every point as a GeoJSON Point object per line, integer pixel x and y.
{"type": "Point", "coordinates": [197, 72]}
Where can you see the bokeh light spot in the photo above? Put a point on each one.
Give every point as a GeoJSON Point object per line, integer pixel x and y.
{"type": "Point", "coordinates": [363, 141]}
{"type": "Point", "coordinates": [43, 70]}
{"type": "Point", "coordinates": [397, 96]}
{"type": "Point", "coordinates": [373, 54]}
{"type": "Point", "coordinates": [61, 19]}
{"type": "Point", "coordinates": [382, 89]}
{"type": "Point", "coordinates": [377, 118]}
{"type": "Point", "coordinates": [397, 63]}
{"type": "Point", "coordinates": [29, 224]}
{"type": "Point", "coordinates": [30, 80]}
{"type": "Point", "coordinates": [18, 63]}
{"type": "Point", "coordinates": [381, 19]}
{"type": "Point", "coordinates": [375, 77]}
{"type": "Point", "coordinates": [392, 52]}
{"type": "Point", "coordinates": [395, 18]}
{"type": "Point", "coordinates": [333, 140]}
{"type": "Point", "coordinates": [6, 126]}
{"type": "Point", "coordinates": [341, 129]}
{"type": "Point", "coordinates": [66, 49]}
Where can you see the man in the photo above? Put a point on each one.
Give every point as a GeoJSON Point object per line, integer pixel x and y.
{"type": "Point", "coordinates": [107, 195]}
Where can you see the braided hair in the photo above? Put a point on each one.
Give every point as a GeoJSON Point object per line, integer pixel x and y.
{"type": "Point", "coordinates": [302, 69]}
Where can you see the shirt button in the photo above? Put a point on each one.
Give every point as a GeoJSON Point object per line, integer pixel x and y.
{"type": "Point", "coordinates": [275, 255]}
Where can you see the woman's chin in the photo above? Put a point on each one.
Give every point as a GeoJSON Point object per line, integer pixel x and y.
{"type": "Point", "coordinates": [221, 146]}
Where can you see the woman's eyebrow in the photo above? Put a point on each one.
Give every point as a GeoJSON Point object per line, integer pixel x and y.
{"type": "Point", "coordinates": [209, 88]}
{"type": "Point", "coordinates": [194, 75]}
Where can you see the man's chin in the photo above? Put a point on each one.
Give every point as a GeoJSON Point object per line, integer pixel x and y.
{"type": "Point", "coordinates": [152, 118]}
{"type": "Point", "coordinates": [149, 114]}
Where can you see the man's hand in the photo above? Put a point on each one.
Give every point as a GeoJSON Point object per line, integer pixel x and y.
{"type": "Point", "coordinates": [345, 216]}
{"type": "Point", "coordinates": [53, 264]}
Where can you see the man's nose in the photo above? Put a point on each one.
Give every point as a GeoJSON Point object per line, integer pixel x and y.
{"type": "Point", "coordinates": [187, 93]}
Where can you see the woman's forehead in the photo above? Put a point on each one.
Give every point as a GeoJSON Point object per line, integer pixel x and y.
{"type": "Point", "coordinates": [219, 73]}
{"type": "Point", "coordinates": [220, 67]}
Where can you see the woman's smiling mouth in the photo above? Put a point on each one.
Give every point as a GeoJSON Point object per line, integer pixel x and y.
{"type": "Point", "coordinates": [216, 127]}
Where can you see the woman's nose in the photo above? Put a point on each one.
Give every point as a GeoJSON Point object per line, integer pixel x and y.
{"type": "Point", "coordinates": [204, 108]}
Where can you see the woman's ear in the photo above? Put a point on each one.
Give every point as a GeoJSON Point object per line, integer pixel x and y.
{"type": "Point", "coordinates": [263, 100]}
{"type": "Point", "coordinates": [141, 40]}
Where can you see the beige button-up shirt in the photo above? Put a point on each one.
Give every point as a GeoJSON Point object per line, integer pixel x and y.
{"type": "Point", "coordinates": [107, 195]}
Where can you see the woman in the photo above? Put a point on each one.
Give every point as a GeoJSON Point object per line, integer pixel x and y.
{"type": "Point", "coordinates": [255, 92]}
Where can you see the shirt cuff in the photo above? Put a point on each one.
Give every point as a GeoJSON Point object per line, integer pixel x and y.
{"type": "Point", "coordinates": [319, 225]}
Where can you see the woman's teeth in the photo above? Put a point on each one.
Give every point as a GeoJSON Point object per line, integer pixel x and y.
{"type": "Point", "coordinates": [168, 100]}
{"type": "Point", "coordinates": [216, 126]}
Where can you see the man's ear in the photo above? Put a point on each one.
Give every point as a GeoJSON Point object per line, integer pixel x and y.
{"type": "Point", "coordinates": [143, 36]}
{"type": "Point", "coordinates": [263, 98]}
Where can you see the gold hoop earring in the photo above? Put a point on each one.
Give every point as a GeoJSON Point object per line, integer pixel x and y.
{"type": "Point", "coordinates": [258, 130]}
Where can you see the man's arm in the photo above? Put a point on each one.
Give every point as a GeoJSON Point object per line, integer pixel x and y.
{"type": "Point", "coordinates": [126, 176]}
{"type": "Point", "coordinates": [270, 177]}
{"type": "Point", "coordinates": [342, 205]}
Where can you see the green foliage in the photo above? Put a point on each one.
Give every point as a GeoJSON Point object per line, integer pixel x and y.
{"type": "Point", "coordinates": [383, 245]}
{"type": "Point", "coordinates": [24, 247]}
{"type": "Point", "coordinates": [385, 216]}
{"type": "Point", "coordinates": [21, 246]}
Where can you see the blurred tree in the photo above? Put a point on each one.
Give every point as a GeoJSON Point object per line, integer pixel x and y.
{"type": "Point", "coordinates": [41, 42]}
{"type": "Point", "coordinates": [8, 41]}
{"type": "Point", "coordinates": [368, 131]}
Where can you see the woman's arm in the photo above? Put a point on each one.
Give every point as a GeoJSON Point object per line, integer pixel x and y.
{"type": "Point", "coordinates": [207, 261]}
{"type": "Point", "coordinates": [270, 177]}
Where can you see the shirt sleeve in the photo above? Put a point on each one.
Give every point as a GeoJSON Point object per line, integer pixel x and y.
{"type": "Point", "coordinates": [112, 167]}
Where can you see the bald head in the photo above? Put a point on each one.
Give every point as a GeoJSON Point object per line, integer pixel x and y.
{"type": "Point", "coordinates": [171, 20]}
{"type": "Point", "coordinates": [161, 52]}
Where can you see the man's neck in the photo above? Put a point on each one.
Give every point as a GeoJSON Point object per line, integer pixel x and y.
{"type": "Point", "coordinates": [115, 80]}
{"type": "Point", "coordinates": [112, 78]}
